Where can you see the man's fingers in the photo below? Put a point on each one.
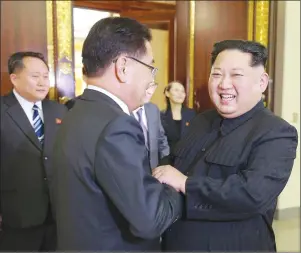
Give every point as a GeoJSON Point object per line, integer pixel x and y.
{"type": "Point", "coordinates": [157, 173]}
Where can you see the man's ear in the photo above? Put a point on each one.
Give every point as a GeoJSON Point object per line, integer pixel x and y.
{"type": "Point", "coordinates": [121, 66]}
{"type": "Point", "coordinates": [13, 77]}
{"type": "Point", "coordinates": [264, 81]}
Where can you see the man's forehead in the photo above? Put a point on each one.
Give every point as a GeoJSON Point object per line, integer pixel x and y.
{"type": "Point", "coordinates": [31, 63]}
{"type": "Point", "coordinates": [234, 59]}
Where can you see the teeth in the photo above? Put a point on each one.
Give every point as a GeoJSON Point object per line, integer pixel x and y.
{"type": "Point", "coordinates": [227, 97]}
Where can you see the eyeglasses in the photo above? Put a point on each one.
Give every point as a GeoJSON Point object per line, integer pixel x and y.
{"type": "Point", "coordinates": [152, 85]}
{"type": "Point", "coordinates": [152, 68]}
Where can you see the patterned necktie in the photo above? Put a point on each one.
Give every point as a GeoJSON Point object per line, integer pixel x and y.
{"type": "Point", "coordinates": [38, 124]}
{"type": "Point", "coordinates": [145, 132]}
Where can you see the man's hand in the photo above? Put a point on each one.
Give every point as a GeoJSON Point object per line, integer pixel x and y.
{"type": "Point", "coordinates": [171, 176]}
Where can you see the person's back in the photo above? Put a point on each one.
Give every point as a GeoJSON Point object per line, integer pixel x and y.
{"type": "Point", "coordinates": [105, 196]}
{"type": "Point", "coordinates": [103, 226]}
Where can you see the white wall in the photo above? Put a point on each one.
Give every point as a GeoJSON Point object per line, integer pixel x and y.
{"type": "Point", "coordinates": [287, 87]}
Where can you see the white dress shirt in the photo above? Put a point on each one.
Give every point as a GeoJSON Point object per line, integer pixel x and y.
{"type": "Point", "coordinates": [122, 105]}
{"type": "Point", "coordinates": [28, 107]}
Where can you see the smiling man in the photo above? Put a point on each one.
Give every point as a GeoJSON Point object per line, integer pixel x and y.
{"type": "Point", "coordinates": [28, 125]}
{"type": "Point", "coordinates": [234, 161]}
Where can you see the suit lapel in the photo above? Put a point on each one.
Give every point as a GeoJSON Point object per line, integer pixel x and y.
{"type": "Point", "coordinates": [18, 115]}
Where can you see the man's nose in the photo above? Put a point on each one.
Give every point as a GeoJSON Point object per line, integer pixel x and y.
{"type": "Point", "coordinates": [225, 83]}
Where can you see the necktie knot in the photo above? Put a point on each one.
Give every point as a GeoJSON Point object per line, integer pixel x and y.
{"type": "Point", "coordinates": [38, 123]}
{"type": "Point", "coordinates": [139, 114]}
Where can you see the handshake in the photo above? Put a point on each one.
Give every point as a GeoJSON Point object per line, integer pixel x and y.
{"type": "Point", "coordinates": [169, 175]}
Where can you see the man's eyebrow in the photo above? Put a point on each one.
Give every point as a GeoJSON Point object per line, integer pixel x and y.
{"type": "Point", "coordinates": [37, 72]}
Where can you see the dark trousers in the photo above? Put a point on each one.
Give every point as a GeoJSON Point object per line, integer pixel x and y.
{"type": "Point", "coordinates": [38, 238]}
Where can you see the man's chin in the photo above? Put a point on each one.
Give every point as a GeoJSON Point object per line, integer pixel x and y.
{"type": "Point", "coordinates": [226, 111]}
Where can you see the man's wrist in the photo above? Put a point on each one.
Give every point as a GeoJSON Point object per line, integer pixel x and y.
{"type": "Point", "coordinates": [183, 186]}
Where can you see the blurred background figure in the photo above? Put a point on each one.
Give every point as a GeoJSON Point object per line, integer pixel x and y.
{"type": "Point", "coordinates": [148, 115]}
{"type": "Point", "coordinates": [176, 118]}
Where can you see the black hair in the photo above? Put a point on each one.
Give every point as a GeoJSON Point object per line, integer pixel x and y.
{"type": "Point", "coordinates": [258, 51]}
{"type": "Point", "coordinates": [167, 88]}
{"type": "Point", "coordinates": [15, 61]}
{"type": "Point", "coordinates": [110, 37]}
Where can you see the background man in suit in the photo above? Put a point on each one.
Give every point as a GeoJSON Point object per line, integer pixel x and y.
{"type": "Point", "coordinates": [234, 161]}
{"type": "Point", "coordinates": [105, 195]}
{"type": "Point", "coordinates": [149, 118]}
{"type": "Point", "coordinates": [28, 125]}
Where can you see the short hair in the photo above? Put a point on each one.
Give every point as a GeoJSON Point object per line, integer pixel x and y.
{"type": "Point", "coordinates": [110, 37]}
{"type": "Point", "coordinates": [15, 61]}
{"type": "Point", "coordinates": [258, 51]}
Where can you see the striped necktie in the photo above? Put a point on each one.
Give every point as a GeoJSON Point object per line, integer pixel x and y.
{"type": "Point", "coordinates": [38, 124]}
{"type": "Point", "coordinates": [145, 131]}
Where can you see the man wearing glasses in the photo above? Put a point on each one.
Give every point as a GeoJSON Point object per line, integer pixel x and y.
{"type": "Point", "coordinates": [105, 196]}
{"type": "Point", "coordinates": [148, 116]}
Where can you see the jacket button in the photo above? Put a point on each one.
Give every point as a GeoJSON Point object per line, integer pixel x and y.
{"type": "Point", "coordinates": [203, 149]}
{"type": "Point", "coordinates": [45, 158]}
{"type": "Point", "coordinates": [45, 179]}
{"type": "Point", "coordinates": [197, 206]}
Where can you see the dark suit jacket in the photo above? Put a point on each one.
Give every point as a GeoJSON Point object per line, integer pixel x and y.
{"type": "Point", "coordinates": [158, 144]}
{"type": "Point", "coordinates": [105, 195]}
{"type": "Point", "coordinates": [236, 170]}
{"type": "Point", "coordinates": [70, 103]}
{"type": "Point", "coordinates": [25, 164]}
{"type": "Point", "coordinates": [170, 127]}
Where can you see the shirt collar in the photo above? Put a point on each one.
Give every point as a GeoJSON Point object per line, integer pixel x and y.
{"type": "Point", "coordinates": [25, 103]}
{"type": "Point", "coordinates": [140, 107]}
{"type": "Point", "coordinates": [228, 125]}
{"type": "Point", "coordinates": [122, 105]}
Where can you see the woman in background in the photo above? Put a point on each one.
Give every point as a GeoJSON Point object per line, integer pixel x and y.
{"type": "Point", "coordinates": [176, 118]}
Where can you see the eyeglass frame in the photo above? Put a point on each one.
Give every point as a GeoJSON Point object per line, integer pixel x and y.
{"type": "Point", "coordinates": [153, 69]}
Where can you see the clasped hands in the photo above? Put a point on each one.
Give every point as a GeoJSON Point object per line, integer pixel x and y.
{"type": "Point", "coordinates": [169, 175]}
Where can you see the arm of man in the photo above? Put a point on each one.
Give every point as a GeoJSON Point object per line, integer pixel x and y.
{"type": "Point", "coordinates": [123, 170]}
{"type": "Point", "coordinates": [247, 193]}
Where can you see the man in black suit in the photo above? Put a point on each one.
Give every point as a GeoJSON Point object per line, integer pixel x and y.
{"type": "Point", "coordinates": [105, 196]}
{"type": "Point", "coordinates": [28, 125]}
{"type": "Point", "coordinates": [234, 161]}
